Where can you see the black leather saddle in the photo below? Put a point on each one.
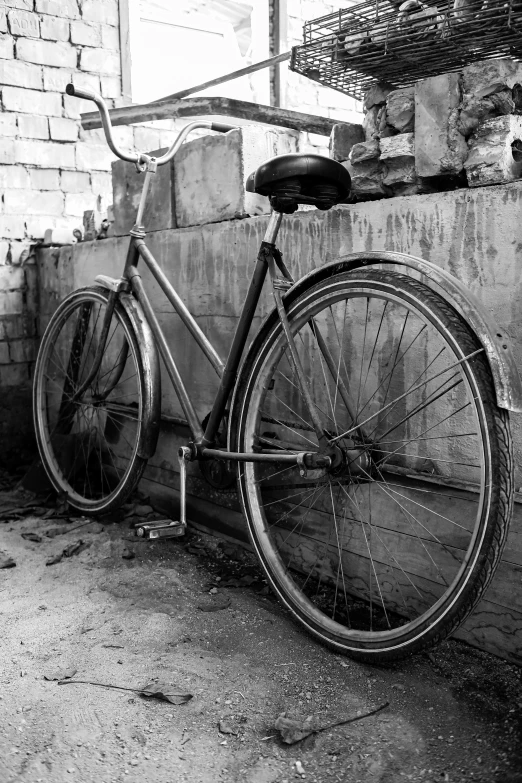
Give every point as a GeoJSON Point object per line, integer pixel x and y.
{"type": "Point", "coordinates": [290, 180]}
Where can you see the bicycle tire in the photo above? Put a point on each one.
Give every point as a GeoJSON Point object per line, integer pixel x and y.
{"type": "Point", "coordinates": [90, 448]}
{"type": "Point", "coordinates": [401, 555]}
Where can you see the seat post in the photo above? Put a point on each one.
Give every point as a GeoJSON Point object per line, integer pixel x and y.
{"type": "Point", "coordinates": [273, 227]}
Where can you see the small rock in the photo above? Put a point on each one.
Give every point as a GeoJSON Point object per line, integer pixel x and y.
{"type": "Point", "coordinates": [143, 511]}
{"type": "Point", "coordinates": [6, 561]}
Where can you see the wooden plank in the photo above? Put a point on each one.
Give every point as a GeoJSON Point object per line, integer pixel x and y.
{"type": "Point", "coordinates": [204, 107]}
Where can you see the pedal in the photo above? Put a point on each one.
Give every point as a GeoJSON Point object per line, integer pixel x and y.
{"type": "Point", "coordinates": [161, 529]}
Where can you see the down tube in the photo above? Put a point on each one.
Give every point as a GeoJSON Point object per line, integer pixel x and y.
{"type": "Point", "coordinates": [170, 364]}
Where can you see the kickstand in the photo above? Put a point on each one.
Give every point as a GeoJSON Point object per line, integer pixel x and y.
{"type": "Point", "coordinates": [170, 528]}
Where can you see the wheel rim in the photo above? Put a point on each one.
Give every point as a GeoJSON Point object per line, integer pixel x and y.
{"type": "Point", "coordinates": [392, 580]}
{"type": "Point", "coordinates": [88, 444]}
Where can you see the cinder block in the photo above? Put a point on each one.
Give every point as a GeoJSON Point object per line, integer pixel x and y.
{"type": "Point", "coordinates": [6, 47]}
{"type": "Point", "coordinates": [210, 174]}
{"type": "Point", "coordinates": [20, 74]}
{"type": "Point", "coordinates": [56, 79]}
{"type": "Point", "coordinates": [366, 150]}
{"type": "Point", "coordinates": [52, 155]}
{"type": "Point", "coordinates": [7, 150]}
{"type": "Point", "coordinates": [14, 177]}
{"type": "Point", "coordinates": [8, 124]}
{"type": "Point", "coordinates": [55, 29]}
{"type": "Point", "coordinates": [57, 53]}
{"type": "Point", "coordinates": [3, 20]}
{"type": "Point", "coordinates": [23, 23]}
{"type": "Point", "coordinates": [4, 250]}
{"type": "Point", "coordinates": [127, 184]}
{"type": "Point", "coordinates": [344, 135]}
{"type": "Point", "coordinates": [45, 179]}
{"type": "Point", "coordinates": [33, 126]}
{"type": "Point", "coordinates": [92, 156]}
{"type": "Point", "coordinates": [105, 12]}
{"type": "Point", "coordinates": [12, 226]}
{"type": "Point", "coordinates": [32, 101]}
{"type": "Point", "coordinates": [77, 203]}
{"type": "Point", "coordinates": [110, 37]}
{"type": "Point", "coordinates": [110, 86]}
{"type": "Point", "coordinates": [62, 8]}
{"type": "Point", "coordinates": [75, 181]}
{"type": "Point", "coordinates": [85, 34]}
{"type": "Point", "coordinates": [63, 129]}
{"type": "Point", "coordinates": [100, 61]}
{"type": "Point", "coordinates": [491, 160]}
{"type": "Point", "coordinates": [439, 147]}
{"type": "Point", "coordinates": [400, 109]}
{"type": "Point", "coordinates": [33, 202]}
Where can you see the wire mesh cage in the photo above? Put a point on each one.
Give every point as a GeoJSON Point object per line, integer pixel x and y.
{"type": "Point", "coordinates": [376, 41]}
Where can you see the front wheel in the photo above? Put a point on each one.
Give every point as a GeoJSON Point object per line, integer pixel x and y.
{"type": "Point", "coordinates": [388, 550]}
{"type": "Point", "coordinates": [89, 443]}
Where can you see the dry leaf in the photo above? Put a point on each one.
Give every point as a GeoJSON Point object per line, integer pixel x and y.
{"type": "Point", "coordinates": [292, 729]}
{"type": "Point", "coordinates": [165, 692]}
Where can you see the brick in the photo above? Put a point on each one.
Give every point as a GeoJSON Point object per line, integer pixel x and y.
{"type": "Point", "coordinates": [55, 29]}
{"type": "Point", "coordinates": [101, 184]}
{"type": "Point", "coordinates": [45, 179]}
{"type": "Point", "coordinates": [110, 37]}
{"type": "Point", "coordinates": [439, 148]}
{"type": "Point", "coordinates": [400, 109]}
{"type": "Point", "coordinates": [75, 181]}
{"type": "Point", "coordinates": [402, 145]}
{"type": "Point", "coordinates": [20, 74]}
{"type": "Point", "coordinates": [8, 124]}
{"type": "Point", "coordinates": [105, 12]}
{"type": "Point", "coordinates": [14, 177]}
{"type": "Point", "coordinates": [61, 8]}
{"type": "Point", "coordinates": [110, 86]}
{"type": "Point", "coordinates": [7, 150]}
{"type": "Point", "coordinates": [3, 20]}
{"type": "Point", "coordinates": [490, 160]}
{"type": "Point", "coordinates": [210, 174]}
{"type": "Point", "coordinates": [51, 154]}
{"type": "Point", "coordinates": [93, 156]}
{"type": "Point", "coordinates": [31, 101]}
{"type": "Point", "coordinates": [63, 129]}
{"type": "Point", "coordinates": [366, 150]}
{"type": "Point", "coordinates": [23, 23]}
{"type": "Point", "coordinates": [77, 203]}
{"type": "Point", "coordinates": [57, 53]}
{"type": "Point", "coordinates": [6, 47]}
{"type": "Point", "coordinates": [86, 34]}
{"type": "Point", "coordinates": [33, 127]}
{"type": "Point", "coordinates": [344, 135]}
{"type": "Point", "coordinates": [100, 61]}
{"type": "Point", "coordinates": [56, 79]}
{"type": "Point", "coordinates": [12, 226]}
{"type": "Point", "coordinates": [33, 202]}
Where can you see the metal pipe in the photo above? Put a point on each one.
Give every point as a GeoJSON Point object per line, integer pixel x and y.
{"type": "Point", "coordinates": [273, 227]}
{"type": "Point", "coordinates": [180, 307]}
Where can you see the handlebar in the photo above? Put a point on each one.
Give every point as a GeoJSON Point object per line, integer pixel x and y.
{"type": "Point", "coordinates": [91, 95]}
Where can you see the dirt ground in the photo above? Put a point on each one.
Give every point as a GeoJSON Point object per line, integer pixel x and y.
{"type": "Point", "coordinates": [196, 615]}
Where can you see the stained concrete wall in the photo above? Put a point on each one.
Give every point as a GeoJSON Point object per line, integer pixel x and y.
{"type": "Point", "coordinates": [475, 235]}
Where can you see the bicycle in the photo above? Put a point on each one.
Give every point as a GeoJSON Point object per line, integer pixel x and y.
{"type": "Point", "coordinates": [367, 424]}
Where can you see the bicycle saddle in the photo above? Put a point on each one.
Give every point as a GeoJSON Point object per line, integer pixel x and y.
{"type": "Point", "coordinates": [298, 178]}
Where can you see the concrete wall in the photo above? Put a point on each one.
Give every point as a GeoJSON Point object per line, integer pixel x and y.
{"type": "Point", "coordinates": [476, 235]}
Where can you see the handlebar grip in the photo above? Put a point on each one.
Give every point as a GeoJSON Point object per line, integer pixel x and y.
{"type": "Point", "coordinates": [81, 92]}
{"type": "Point", "coordinates": [222, 127]}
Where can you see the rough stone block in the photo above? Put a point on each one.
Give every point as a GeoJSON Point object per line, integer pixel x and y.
{"type": "Point", "coordinates": [85, 34]}
{"type": "Point", "coordinates": [63, 129]}
{"type": "Point", "coordinates": [399, 146]}
{"type": "Point", "coordinates": [344, 135]}
{"type": "Point", "coordinates": [210, 174]}
{"type": "Point", "coordinates": [32, 101]}
{"type": "Point", "coordinates": [33, 127]}
{"type": "Point", "coordinates": [367, 179]}
{"type": "Point", "coordinates": [487, 76]}
{"type": "Point", "coordinates": [376, 95]}
{"type": "Point", "coordinates": [475, 110]}
{"type": "Point", "coordinates": [400, 109]}
{"type": "Point", "coordinates": [55, 29]}
{"type": "Point", "coordinates": [23, 23]}
{"type": "Point", "coordinates": [127, 184]}
{"type": "Point", "coordinates": [401, 176]}
{"type": "Point", "coordinates": [57, 53]}
{"type": "Point", "coordinates": [491, 160]}
{"type": "Point", "coordinates": [366, 150]}
{"type": "Point", "coordinates": [20, 74]}
{"type": "Point", "coordinates": [6, 47]}
{"type": "Point", "coordinates": [439, 147]}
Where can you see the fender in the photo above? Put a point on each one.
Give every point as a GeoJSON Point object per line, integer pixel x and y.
{"type": "Point", "coordinates": [151, 368]}
{"type": "Point", "coordinates": [495, 341]}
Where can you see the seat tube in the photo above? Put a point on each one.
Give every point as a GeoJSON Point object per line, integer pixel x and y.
{"type": "Point", "coordinates": [273, 227]}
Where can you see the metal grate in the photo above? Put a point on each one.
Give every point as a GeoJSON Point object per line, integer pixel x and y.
{"type": "Point", "coordinates": [373, 41]}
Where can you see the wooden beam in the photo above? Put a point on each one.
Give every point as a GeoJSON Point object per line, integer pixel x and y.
{"type": "Point", "coordinates": [204, 107]}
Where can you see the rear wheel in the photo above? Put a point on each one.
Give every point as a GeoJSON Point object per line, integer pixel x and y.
{"type": "Point", "coordinates": [89, 442]}
{"type": "Point", "coordinates": [387, 551]}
